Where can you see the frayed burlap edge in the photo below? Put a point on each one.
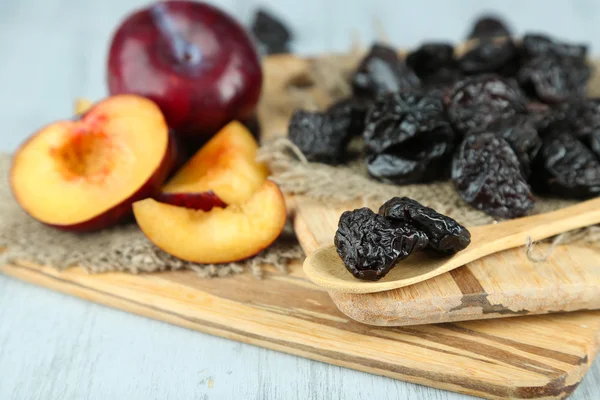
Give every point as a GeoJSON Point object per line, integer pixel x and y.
{"type": "Point", "coordinates": [121, 248]}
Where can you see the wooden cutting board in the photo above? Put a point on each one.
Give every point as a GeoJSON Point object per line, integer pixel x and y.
{"type": "Point", "coordinates": [534, 357]}
{"type": "Point", "coordinates": [503, 285]}
{"type": "Point", "coordinates": [531, 357]}
{"type": "Point", "coordinates": [506, 284]}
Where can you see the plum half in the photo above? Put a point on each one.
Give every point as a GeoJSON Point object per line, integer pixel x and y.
{"type": "Point", "coordinates": [84, 174]}
{"type": "Point", "coordinates": [220, 235]}
{"type": "Point", "coordinates": [226, 166]}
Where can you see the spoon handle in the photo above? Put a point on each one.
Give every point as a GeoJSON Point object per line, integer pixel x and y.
{"type": "Point", "coordinates": [513, 233]}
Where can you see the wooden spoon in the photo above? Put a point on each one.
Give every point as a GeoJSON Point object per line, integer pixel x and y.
{"type": "Point", "coordinates": [325, 268]}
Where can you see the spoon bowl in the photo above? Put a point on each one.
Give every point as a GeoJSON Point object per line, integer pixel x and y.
{"type": "Point", "coordinates": [325, 267]}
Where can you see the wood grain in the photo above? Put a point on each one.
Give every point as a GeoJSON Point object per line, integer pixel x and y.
{"type": "Point", "coordinates": [505, 284]}
{"type": "Point", "coordinates": [76, 350]}
{"type": "Point", "coordinates": [326, 268]}
{"type": "Point", "coordinates": [515, 358]}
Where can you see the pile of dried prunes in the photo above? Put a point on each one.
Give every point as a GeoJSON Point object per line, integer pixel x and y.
{"type": "Point", "coordinates": [503, 120]}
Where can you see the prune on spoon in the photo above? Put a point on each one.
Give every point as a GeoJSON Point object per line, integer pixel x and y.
{"type": "Point", "coordinates": [408, 137]}
{"type": "Point", "coordinates": [488, 26]}
{"type": "Point", "coordinates": [272, 34]}
{"type": "Point", "coordinates": [476, 101]}
{"type": "Point", "coordinates": [445, 234]}
{"type": "Point", "coordinates": [382, 71]}
{"type": "Point", "coordinates": [434, 63]}
{"type": "Point", "coordinates": [487, 175]}
{"type": "Point", "coordinates": [370, 245]}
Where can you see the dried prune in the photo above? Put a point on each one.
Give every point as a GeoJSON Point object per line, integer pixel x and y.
{"type": "Point", "coordinates": [396, 117]}
{"type": "Point", "coordinates": [565, 167]}
{"type": "Point", "coordinates": [408, 137]}
{"type": "Point", "coordinates": [554, 79]}
{"type": "Point", "coordinates": [490, 56]}
{"type": "Point", "coordinates": [553, 71]}
{"type": "Point", "coordinates": [546, 117]}
{"type": "Point", "coordinates": [521, 134]}
{"type": "Point", "coordinates": [370, 245]}
{"type": "Point", "coordinates": [535, 45]}
{"type": "Point", "coordinates": [579, 118]}
{"type": "Point", "coordinates": [272, 34]}
{"type": "Point", "coordinates": [434, 63]}
{"type": "Point", "coordinates": [535, 107]}
{"type": "Point", "coordinates": [349, 115]}
{"type": "Point", "coordinates": [593, 142]}
{"type": "Point", "coordinates": [319, 136]}
{"type": "Point", "coordinates": [445, 234]}
{"type": "Point", "coordinates": [382, 71]}
{"type": "Point", "coordinates": [438, 91]}
{"type": "Point", "coordinates": [488, 27]}
{"type": "Point", "coordinates": [583, 119]}
{"type": "Point", "coordinates": [583, 116]}
{"type": "Point", "coordinates": [477, 101]}
{"type": "Point", "coordinates": [487, 175]}
{"type": "Point", "coordinates": [428, 163]}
